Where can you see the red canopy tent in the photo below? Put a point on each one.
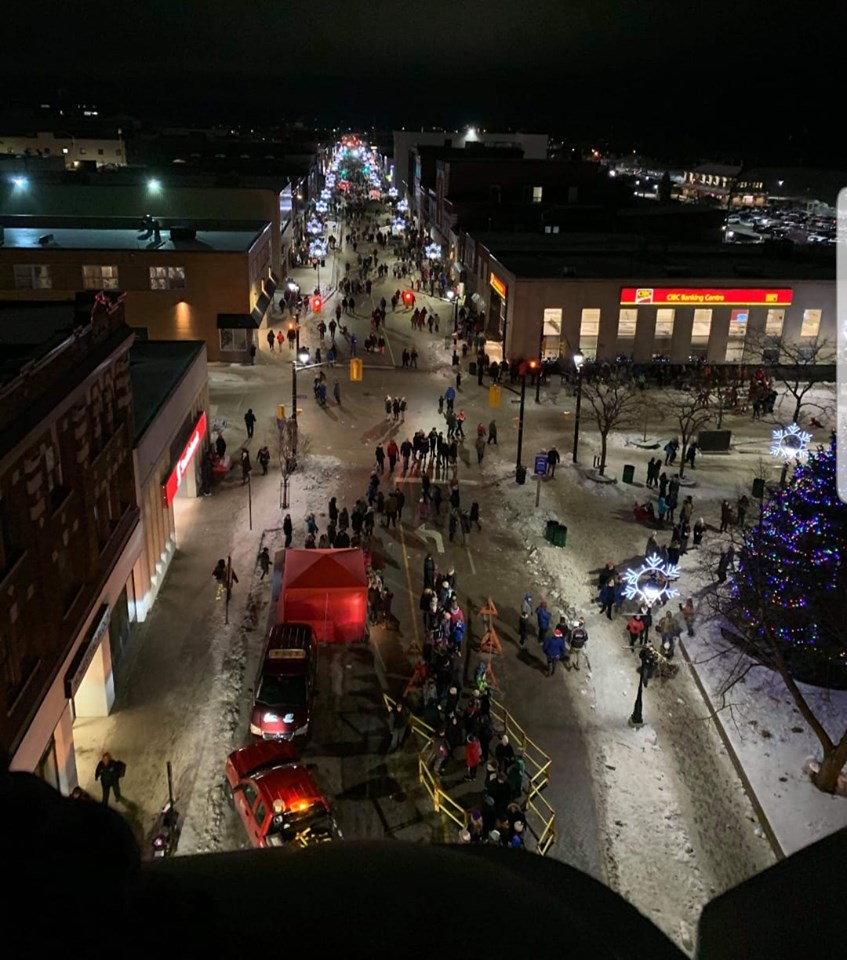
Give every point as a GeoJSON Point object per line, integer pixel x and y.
{"type": "Point", "coordinates": [328, 589]}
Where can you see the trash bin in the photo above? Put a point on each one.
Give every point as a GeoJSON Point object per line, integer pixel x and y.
{"type": "Point", "coordinates": [472, 368]}
{"type": "Point", "coordinates": [550, 532]}
{"type": "Point", "coordinates": [520, 473]}
{"type": "Point", "coordinates": [560, 535]}
{"type": "Point", "coordinates": [628, 473]}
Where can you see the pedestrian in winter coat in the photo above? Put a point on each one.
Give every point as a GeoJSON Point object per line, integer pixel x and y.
{"type": "Point", "coordinates": [552, 459]}
{"type": "Point", "coordinates": [264, 562]}
{"type": "Point", "coordinates": [523, 628]}
{"type": "Point", "coordinates": [526, 604]}
{"type": "Point", "coordinates": [473, 516]}
{"type": "Point", "coordinates": [726, 516]}
{"type": "Point", "coordinates": [480, 449]}
{"type": "Point", "coordinates": [554, 650]}
{"type": "Point", "coordinates": [542, 614]}
{"type": "Point", "coordinates": [606, 574]}
{"type": "Point", "coordinates": [250, 421]}
{"type": "Point", "coordinates": [645, 615]}
{"type": "Point", "coordinates": [635, 629]}
{"type": "Point", "coordinates": [393, 452]}
{"type": "Point", "coordinates": [492, 432]}
{"type": "Point", "coordinates": [688, 612]}
{"type": "Point", "coordinates": [473, 756]}
{"type": "Point", "coordinates": [264, 458]}
{"type": "Point", "coordinates": [288, 529]}
{"type": "Point", "coordinates": [697, 532]}
{"type": "Point", "coordinates": [429, 572]}
{"type": "Point", "coordinates": [649, 657]}
{"type": "Point", "coordinates": [109, 772]}
{"type": "Point", "coordinates": [607, 598]}
{"type": "Point", "coordinates": [579, 638]}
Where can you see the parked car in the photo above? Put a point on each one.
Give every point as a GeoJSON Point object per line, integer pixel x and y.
{"type": "Point", "coordinates": [285, 684]}
{"type": "Point", "coordinates": [278, 800]}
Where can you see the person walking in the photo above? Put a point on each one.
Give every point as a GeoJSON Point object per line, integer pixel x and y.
{"type": "Point", "coordinates": [336, 392]}
{"type": "Point", "coordinates": [543, 617]}
{"type": "Point", "coordinates": [649, 657]}
{"type": "Point", "coordinates": [398, 724]}
{"type": "Point", "coordinates": [393, 452]}
{"type": "Point", "coordinates": [741, 510]}
{"type": "Point", "coordinates": [635, 629]}
{"type": "Point", "coordinates": [245, 466]}
{"type": "Point", "coordinates": [473, 756]}
{"type": "Point", "coordinates": [607, 597]}
{"type": "Point", "coordinates": [271, 340]}
{"type": "Point", "coordinates": [688, 612]}
{"type": "Point", "coordinates": [250, 422]}
{"type": "Point", "coordinates": [691, 454]}
{"type": "Point", "coordinates": [726, 516]}
{"type": "Point", "coordinates": [554, 650]}
{"type": "Point", "coordinates": [697, 532]}
{"type": "Point", "coordinates": [264, 562]}
{"type": "Point", "coordinates": [552, 459]}
{"type": "Point", "coordinates": [480, 448]}
{"type": "Point", "coordinates": [110, 772]}
{"type": "Point", "coordinates": [288, 530]}
{"type": "Point", "coordinates": [264, 458]}
{"type": "Point", "coordinates": [579, 638]}
{"type": "Point", "coordinates": [492, 432]}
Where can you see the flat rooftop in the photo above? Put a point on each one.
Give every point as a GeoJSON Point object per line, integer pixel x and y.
{"type": "Point", "coordinates": [600, 257]}
{"type": "Point", "coordinates": [20, 233]}
{"type": "Point", "coordinates": [156, 368]}
{"type": "Point", "coordinates": [29, 331]}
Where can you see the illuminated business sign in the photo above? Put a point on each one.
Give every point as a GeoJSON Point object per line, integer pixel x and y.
{"type": "Point", "coordinates": [716, 296]}
{"type": "Point", "coordinates": [171, 485]}
{"type": "Point", "coordinates": [497, 286]}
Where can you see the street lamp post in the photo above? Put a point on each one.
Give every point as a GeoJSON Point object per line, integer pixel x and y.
{"type": "Point", "coordinates": [525, 367]}
{"type": "Point", "coordinates": [578, 360]}
{"type": "Point", "coordinates": [637, 718]}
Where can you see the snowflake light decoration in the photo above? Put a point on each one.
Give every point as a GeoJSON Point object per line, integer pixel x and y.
{"type": "Point", "coordinates": [403, 206]}
{"type": "Point", "coordinates": [790, 442]}
{"type": "Point", "coordinates": [433, 251]}
{"type": "Point", "coordinates": [321, 207]}
{"type": "Point", "coordinates": [652, 581]}
{"type": "Point", "coordinates": [315, 227]}
{"type": "Point", "coordinates": [318, 248]}
{"type": "Point", "coordinates": [392, 193]}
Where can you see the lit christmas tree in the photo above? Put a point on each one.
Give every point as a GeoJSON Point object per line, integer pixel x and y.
{"type": "Point", "coordinates": [790, 589]}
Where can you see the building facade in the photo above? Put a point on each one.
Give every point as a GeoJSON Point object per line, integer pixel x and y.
{"type": "Point", "coordinates": [74, 151]}
{"type": "Point", "coordinates": [70, 536]}
{"type": "Point", "coordinates": [184, 281]}
{"type": "Point", "coordinates": [622, 302]}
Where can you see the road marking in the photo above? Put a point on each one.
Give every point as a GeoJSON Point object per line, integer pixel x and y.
{"type": "Point", "coordinates": [423, 534]}
{"type": "Point", "coordinates": [470, 560]}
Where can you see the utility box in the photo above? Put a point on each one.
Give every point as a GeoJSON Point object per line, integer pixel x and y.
{"type": "Point", "coordinates": [560, 535]}
{"type": "Point", "coordinates": [628, 473]}
{"type": "Point", "coordinates": [550, 531]}
{"type": "Point", "coordinates": [714, 441]}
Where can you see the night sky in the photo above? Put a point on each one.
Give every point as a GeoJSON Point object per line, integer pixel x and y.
{"type": "Point", "coordinates": [736, 75]}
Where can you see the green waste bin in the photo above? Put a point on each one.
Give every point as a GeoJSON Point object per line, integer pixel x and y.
{"type": "Point", "coordinates": [560, 536]}
{"type": "Point", "coordinates": [472, 369]}
{"type": "Point", "coordinates": [550, 532]}
{"type": "Point", "coordinates": [628, 473]}
{"type": "Point", "coordinates": [520, 473]}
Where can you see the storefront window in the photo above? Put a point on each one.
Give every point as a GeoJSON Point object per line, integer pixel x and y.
{"type": "Point", "coordinates": [589, 330]}
{"type": "Point", "coordinates": [736, 335]}
{"type": "Point", "coordinates": [811, 323]}
{"type": "Point", "coordinates": [551, 335]}
{"type": "Point", "coordinates": [233, 339]}
{"type": "Point", "coordinates": [700, 331]}
{"type": "Point", "coordinates": [771, 348]}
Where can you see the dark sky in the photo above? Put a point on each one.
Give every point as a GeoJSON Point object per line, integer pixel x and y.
{"type": "Point", "coordinates": [758, 70]}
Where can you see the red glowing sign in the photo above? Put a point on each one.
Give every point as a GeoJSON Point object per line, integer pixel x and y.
{"type": "Point", "coordinates": [708, 296]}
{"type": "Point", "coordinates": [171, 485]}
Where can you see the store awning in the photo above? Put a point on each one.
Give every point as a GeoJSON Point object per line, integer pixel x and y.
{"type": "Point", "coordinates": [270, 283]}
{"type": "Point", "coordinates": [261, 307]}
{"type": "Point", "coordinates": [237, 321]}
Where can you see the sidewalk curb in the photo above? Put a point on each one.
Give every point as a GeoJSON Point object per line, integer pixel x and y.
{"type": "Point", "coordinates": [779, 853]}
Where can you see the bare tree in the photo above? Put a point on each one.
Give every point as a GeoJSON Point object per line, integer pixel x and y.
{"type": "Point", "coordinates": [692, 413]}
{"type": "Point", "coordinates": [725, 388]}
{"type": "Point", "coordinates": [614, 403]}
{"type": "Point", "coordinates": [800, 365]}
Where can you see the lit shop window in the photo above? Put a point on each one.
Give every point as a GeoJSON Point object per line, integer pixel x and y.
{"type": "Point", "coordinates": [33, 277]}
{"type": "Point", "coordinates": [233, 340]}
{"type": "Point", "coordinates": [811, 323]}
{"type": "Point", "coordinates": [627, 320]}
{"type": "Point", "coordinates": [167, 278]}
{"type": "Point", "coordinates": [589, 330]}
{"type": "Point", "coordinates": [736, 335]}
{"type": "Point", "coordinates": [99, 278]}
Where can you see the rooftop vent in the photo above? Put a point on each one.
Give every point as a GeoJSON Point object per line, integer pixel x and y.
{"type": "Point", "coordinates": [183, 233]}
{"type": "Point", "coordinates": [46, 239]}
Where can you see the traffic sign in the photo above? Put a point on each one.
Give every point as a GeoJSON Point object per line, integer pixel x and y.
{"type": "Point", "coordinates": [541, 464]}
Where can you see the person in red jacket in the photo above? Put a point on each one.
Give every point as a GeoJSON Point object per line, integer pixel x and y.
{"type": "Point", "coordinates": [393, 452]}
{"type": "Point", "coordinates": [473, 756]}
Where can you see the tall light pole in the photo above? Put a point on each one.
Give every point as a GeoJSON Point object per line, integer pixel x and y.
{"type": "Point", "coordinates": [302, 356]}
{"type": "Point", "coordinates": [531, 365]}
{"type": "Point", "coordinates": [578, 360]}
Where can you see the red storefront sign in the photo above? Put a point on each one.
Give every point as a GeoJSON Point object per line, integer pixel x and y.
{"type": "Point", "coordinates": [497, 285]}
{"type": "Point", "coordinates": [171, 485]}
{"type": "Point", "coordinates": [711, 296]}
